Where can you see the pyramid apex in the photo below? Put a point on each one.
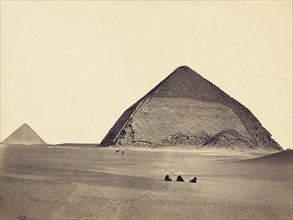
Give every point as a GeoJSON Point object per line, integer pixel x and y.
{"type": "Point", "coordinates": [183, 68]}
{"type": "Point", "coordinates": [25, 126]}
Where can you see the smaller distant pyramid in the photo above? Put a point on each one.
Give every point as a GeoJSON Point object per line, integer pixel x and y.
{"type": "Point", "coordinates": [24, 135]}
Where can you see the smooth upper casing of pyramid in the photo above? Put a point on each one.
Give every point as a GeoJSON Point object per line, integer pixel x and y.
{"type": "Point", "coordinates": [186, 109]}
{"type": "Point", "coordinates": [24, 135]}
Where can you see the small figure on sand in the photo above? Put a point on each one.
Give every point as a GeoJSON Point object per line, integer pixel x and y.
{"type": "Point", "coordinates": [167, 178]}
{"type": "Point", "coordinates": [119, 151]}
{"type": "Point", "coordinates": [180, 179]}
{"type": "Point", "coordinates": [193, 180]}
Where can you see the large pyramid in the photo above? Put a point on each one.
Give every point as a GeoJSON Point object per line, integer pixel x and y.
{"type": "Point", "coordinates": [186, 109]}
{"type": "Point", "coordinates": [24, 135]}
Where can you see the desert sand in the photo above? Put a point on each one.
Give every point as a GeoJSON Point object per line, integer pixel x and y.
{"type": "Point", "coordinates": [62, 182]}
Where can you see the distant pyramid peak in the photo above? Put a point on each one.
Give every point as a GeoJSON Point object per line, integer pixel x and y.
{"type": "Point", "coordinates": [25, 125]}
{"type": "Point", "coordinates": [24, 135]}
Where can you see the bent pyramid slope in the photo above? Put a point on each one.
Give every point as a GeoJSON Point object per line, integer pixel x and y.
{"type": "Point", "coordinates": [24, 135]}
{"type": "Point", "coordinates": [186, 109]}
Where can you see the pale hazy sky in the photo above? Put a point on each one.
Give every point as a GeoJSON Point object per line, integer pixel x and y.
{"type": "Point", "coordinates": [70, 68]}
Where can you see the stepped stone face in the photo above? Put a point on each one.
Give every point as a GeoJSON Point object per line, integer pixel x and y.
{"type": "Point", "coordinates": [186, 109]}
{"type": "Point", "coordinates": [24, 135]}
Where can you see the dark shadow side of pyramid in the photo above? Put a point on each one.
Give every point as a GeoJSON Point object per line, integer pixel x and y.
{"type": "Point", "coordinates": [186, 109]}
{"type": "Point", "coordinates": [24, 135]}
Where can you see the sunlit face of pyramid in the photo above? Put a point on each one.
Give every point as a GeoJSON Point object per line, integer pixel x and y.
{"type": "Point", "coordinates": [187, 109]}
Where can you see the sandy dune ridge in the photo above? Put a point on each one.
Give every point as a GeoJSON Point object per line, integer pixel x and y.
{"type": "Point", "coordinates": [47, 182]}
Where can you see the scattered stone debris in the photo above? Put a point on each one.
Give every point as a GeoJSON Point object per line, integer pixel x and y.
{"type": "Point", "coordinates": [227, 138]}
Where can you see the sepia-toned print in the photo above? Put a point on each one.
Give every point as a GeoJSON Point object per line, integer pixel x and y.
{"type": "Point", "coordinates": [146, 110]}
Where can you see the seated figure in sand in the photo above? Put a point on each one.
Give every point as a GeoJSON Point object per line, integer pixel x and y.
{"type": "Point", "coordinates": [167, 178]}
{"type": "Point", "coordinates": [193, 180]}
{"type": "Point", "coordinates": [180, 179]}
